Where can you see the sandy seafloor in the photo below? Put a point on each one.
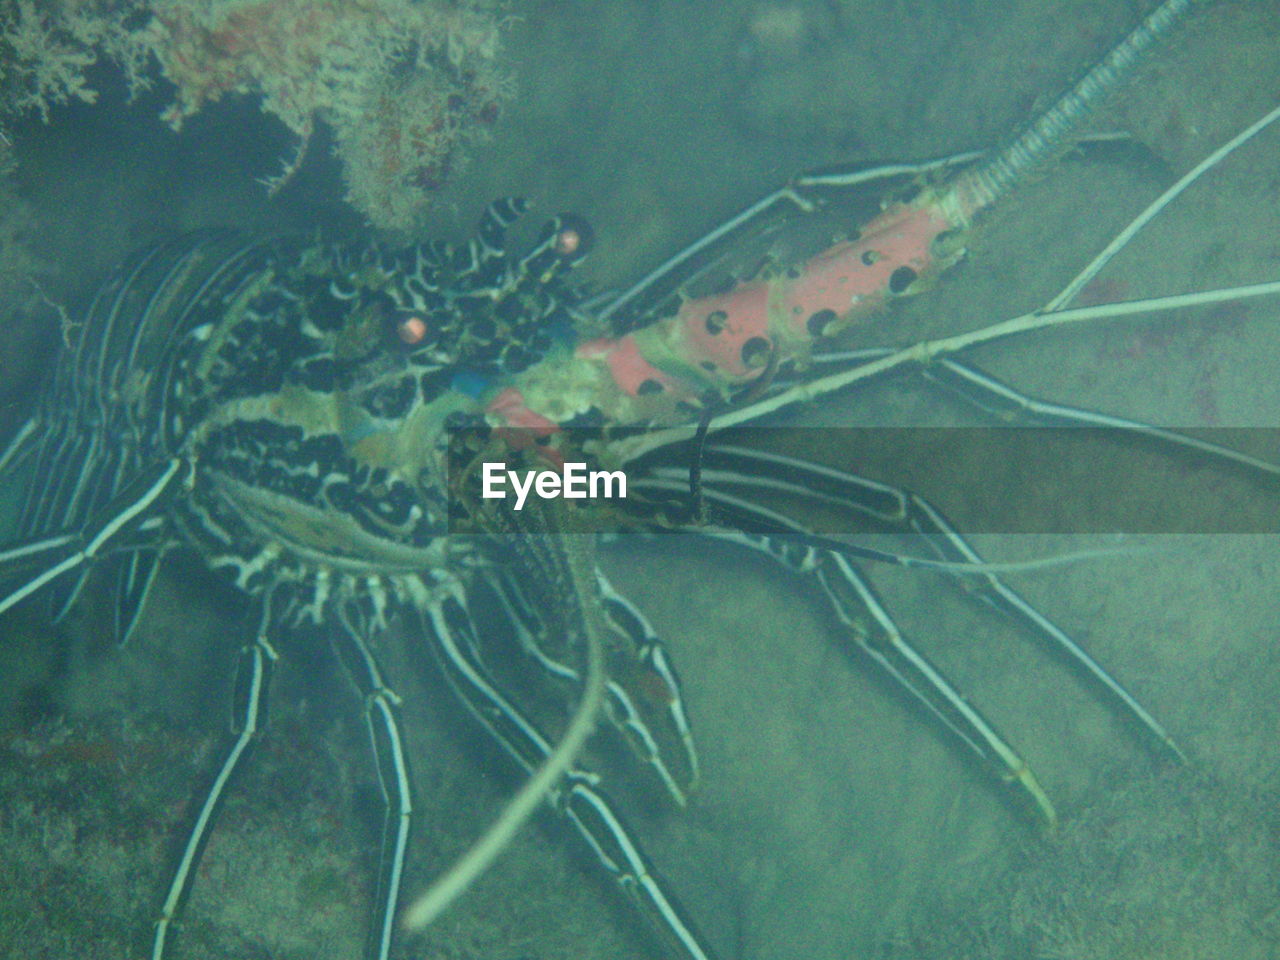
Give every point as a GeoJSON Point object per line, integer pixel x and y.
{"type": "Point", "coordinates": [834, 821]}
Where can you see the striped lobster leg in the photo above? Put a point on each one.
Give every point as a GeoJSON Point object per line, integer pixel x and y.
{"type": "Point", "coordinates": [644, 700]}
{"type": "Point", "coordinates": [252, 692]}
{"type": "Point", "coordinates": [97, 475]}
{"type": "Point", "coordinates": [1005, 404]}
{"type": "Point", "coordinates": [390, 758]}
{"type": "Point", "coordinates": [872, 632]}
{"type": "Point", "coordinates": [21, 446]}
{"type": "Point", "coordinates": [744, 470]}
{"type": "Point", "coordinates": [72, 551]}
{"type": "Point", "coordinates": [135, 575]}
{"type": "Point", "coordinates": [578, 799]}
{"type": "Point", "coordinates": [733, 477]}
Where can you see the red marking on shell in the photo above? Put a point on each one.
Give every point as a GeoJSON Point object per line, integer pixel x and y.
{"type": "Point", "coordinates": [746, 317]}
{"type": "Point", "coordinates": [627, 364]}
{"type": "Point", "coordinates": [521, 428]}
{"type": "Point", "coordinates": [854, 278]}
{"type": "Point", "coordinates": [509, 406]}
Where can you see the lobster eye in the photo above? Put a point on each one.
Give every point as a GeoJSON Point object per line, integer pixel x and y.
{"type": "Point", "coordinates": [411, 330]}
{"type": "Point", "coordinates": [568, 241]}
{"type": "Point", "coordinates": [572, 239]}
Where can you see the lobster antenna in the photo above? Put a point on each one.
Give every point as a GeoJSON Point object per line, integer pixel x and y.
{"type": "Point", "coordinates": [459, 877]}
{"type": "Point", "coordinates": [1055, 129]}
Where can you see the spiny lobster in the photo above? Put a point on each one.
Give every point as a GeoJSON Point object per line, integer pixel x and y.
{"type": "Point", "coordinates": [283, 409]}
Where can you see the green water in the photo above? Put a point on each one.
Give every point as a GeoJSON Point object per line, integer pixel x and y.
{"type": "Point", "coordinates": [834, 821]}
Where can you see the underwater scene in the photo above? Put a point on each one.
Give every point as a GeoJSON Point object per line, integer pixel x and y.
{"type": "Point", "coordinates": [868, 663]}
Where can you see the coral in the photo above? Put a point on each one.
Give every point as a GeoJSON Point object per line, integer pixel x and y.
{"type": "Point", "coordinates": [45, 50]}
{"type": "Point", "coordinates": [43, 61]}
{"type": "Point", "coordinates": [403, 84]}
{"type": "Point", "coordinates": [395, 158]}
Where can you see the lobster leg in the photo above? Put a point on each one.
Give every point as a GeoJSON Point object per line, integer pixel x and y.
{"type": "Point", "coordinates": [81, 548]}
{"type": "Point", "coordinates": [875, 634]}
{"type": "Point", "coordinates": [17, 449]}
{"type": "Point", "coordinates": [39, 553]}
{"type": "Point", "coordinates": [393, 776]}
{"type": "Point", "coordinates": [135, 576]}
{"type": "Point", "coordinates": [631, 689]}
{"type": "Point", "coordinates": [659, 672]}
{"type": "Point", "coordinates": [579, 799]}
{"type": "Point", "coordinates": [744, 468]}
{"type": "Point", "coordinates": [253, 687]}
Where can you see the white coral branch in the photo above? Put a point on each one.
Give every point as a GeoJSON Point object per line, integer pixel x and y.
{"type": "Point", "coordinates": [43, 64]}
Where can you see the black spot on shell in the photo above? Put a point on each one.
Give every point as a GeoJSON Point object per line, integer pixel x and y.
{"type": "Point", "coordinates": [715, 321]}
{"type": "Point", "coordinates": [648, 388]}
{"type": "Point", "coordinates": [509, 310]}
{"type": "Point", "coordinates": [818, 322]}
{"type": "Point", "coordinates": [755, 352]}
{"type": "Point", "coordinates": [901, 278]}
{"type": "Point", "coordinates": [341, 496]}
